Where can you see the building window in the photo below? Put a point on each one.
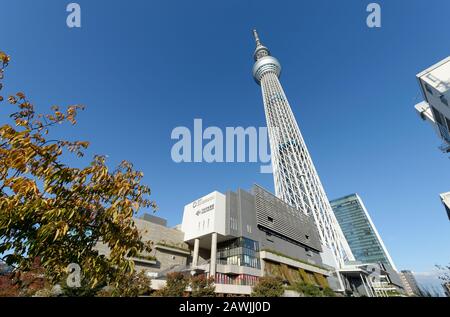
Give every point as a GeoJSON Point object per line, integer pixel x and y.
{"type": "Point", "coordinates": [428, 88]}
{"type": "Point", "coordinates": [448, 124]}
{"type": "Point", "coordinates": [270, 219]}
{"type": "Point", "coordinates": [240, 251]}
{"type": "Point", "coordinates": [307, 237]}
{"type": "Point", "coordinates": [242, 279]}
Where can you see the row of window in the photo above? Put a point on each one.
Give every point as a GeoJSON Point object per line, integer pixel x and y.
{"type": "Point", "coordinates": [236, 251]}
{"type": "Point", "coordinates": [241, 252]}
{"type": "Point", "coordinates": [239, 242]}
{"type": "Point", "coordinates": [240, 260]}
{"type": "Point", "coordinates": [242, 279]}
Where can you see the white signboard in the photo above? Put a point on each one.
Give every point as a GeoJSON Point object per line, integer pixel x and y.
{"type": "Point", "coordinates": [204, 216]}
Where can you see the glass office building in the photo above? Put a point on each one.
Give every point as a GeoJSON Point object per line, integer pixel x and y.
{"type": "Point", "coordinates": [359, 230]}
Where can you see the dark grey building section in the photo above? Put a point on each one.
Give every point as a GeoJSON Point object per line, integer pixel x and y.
{"type": "Point", "coordinates": [240, 214]}
{"type": "Point", "coordinates": [394, 277]}
{"type": "Point", "coordinates": [275, 216]}
{"type": "Point", "coordinates": [275, 225]}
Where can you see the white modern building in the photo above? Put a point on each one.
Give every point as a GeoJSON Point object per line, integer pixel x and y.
{"type": "Point", "coordinates": [434, 83]}
{"type": "Point", "coordinates": [445, 198]}
{"type": "Point", "coordinates": [295, 177]}
{"type": "Point", "coordinates": [240, 236]}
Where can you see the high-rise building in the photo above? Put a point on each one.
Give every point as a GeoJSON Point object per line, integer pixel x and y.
{"type": "Point", "coordinates": [360, 231]}
{"type": "Point", "coordinates": [434, 83]}
{"type": "Point", "coordinates": [446, 202]}
{"type": "Point", "coordinates": [296, 180]}
{"type": "Point", "coordinates": [410, 283]}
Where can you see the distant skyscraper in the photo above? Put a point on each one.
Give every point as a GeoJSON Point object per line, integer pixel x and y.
{"type": "Point", "coordinates": [359, 230]}
{"type": "Point", "coordinates": [446, 201]}
{"type": "Point", "coordinates": [410, 283]}
{"type": "Point", "coordinates": [295, 177]}
{"type": "Point", "coordinates": [435, 86]}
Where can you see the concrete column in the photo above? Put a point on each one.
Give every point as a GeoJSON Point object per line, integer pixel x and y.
{"type": "Point", "coordinates": [364, 284]}
{"type": "Point", "coordinates": [370, 286]}
{"type": "Point", "coordinates": [262, 266]}
{"type": "Point", "coordinates": [212, 269]}
{"type": "Point", "coordinates": [195, 258]}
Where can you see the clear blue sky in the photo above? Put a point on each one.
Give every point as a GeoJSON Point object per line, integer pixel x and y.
{"type": "Point", "coordinates": [144, 67]}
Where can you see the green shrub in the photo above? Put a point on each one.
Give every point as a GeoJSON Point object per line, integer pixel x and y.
{"type": "Point", "coordinates": [307, 290]}
{"type": "Point", "coordinates": [328, 292]}
{"type": "Point", "coordinates": [268, 287]}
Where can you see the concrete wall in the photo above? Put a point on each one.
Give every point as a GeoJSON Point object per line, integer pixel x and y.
{"type": "Point", "coordinates": [165, 257]}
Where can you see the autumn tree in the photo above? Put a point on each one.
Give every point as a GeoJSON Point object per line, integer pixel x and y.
{"type": "Point", "coordinates": [176, 284]}
{"type": "Point", "coordinates": [24, 283]}
{"type": "Point", "coordinates": [138, 285]}
{"type": "Point", "coordinates": [201, 286]}
{"type": "Point", "coordinates": [59, 213]}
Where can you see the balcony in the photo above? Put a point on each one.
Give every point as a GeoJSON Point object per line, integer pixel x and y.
{"type": "Point", "coordinates": [237, 270]}
{"type": "Point", "coordinates": [172, 248]}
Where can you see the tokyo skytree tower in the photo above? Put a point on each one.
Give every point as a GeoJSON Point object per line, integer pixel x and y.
{"type": "Point", "coordinates": [295, 177]}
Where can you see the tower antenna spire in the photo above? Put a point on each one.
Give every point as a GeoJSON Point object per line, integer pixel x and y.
{"type": "Point", "coordinates": [257, 40]}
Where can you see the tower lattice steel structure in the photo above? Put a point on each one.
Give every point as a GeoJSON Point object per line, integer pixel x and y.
{"type": "Point", "coordinates": [295, 177]}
